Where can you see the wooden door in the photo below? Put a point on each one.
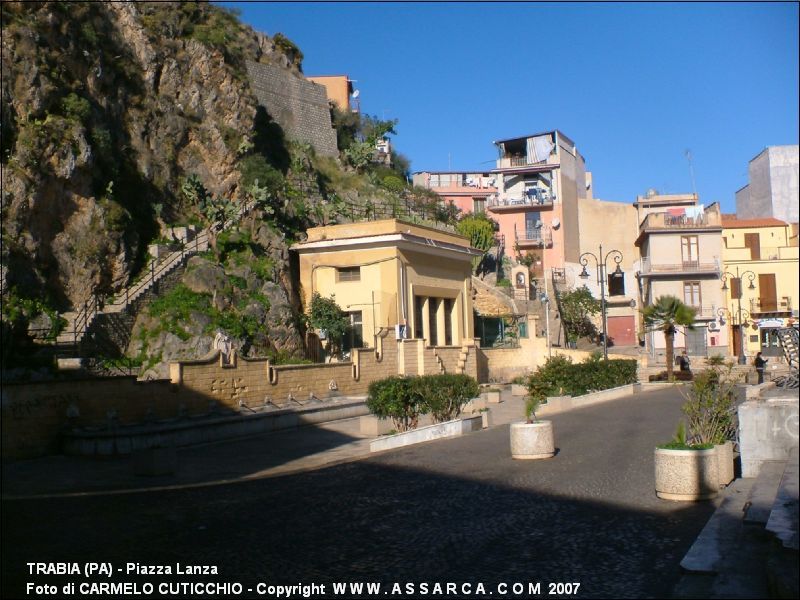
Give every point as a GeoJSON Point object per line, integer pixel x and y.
{"type": "Point", "coordinates": [751, 240]}
{"type": "Point", "coordinates": [737, 340]}
{"type": "Point", "coordinates": [767, 295]}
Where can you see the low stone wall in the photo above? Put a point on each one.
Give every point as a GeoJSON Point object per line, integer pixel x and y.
{"type": "Point", "coordinates": [187, 432]}
{"type": "Point", "coordinates": [557, 404]}
{"type": "Point", "coordinates": [505, 364]}
{"type": "Point", "coordinates": [768, 430]}
{"type": "Point", "coordinates": [35, 415]}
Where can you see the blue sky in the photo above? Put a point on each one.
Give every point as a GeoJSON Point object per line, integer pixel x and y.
{"type": "Point", "coordinates": [634, 85]}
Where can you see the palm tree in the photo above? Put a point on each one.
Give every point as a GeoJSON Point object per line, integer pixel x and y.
{"type": "Point", "coordinates": [665, 315]}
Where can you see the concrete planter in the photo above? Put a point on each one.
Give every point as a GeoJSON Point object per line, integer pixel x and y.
{"type": "Point", "coordinates": [372, 426]}
{"type": "Point", "coordinates": [492, 397]}
{"type": "Point", "coordinates": [436, 431]}
{"type": "Point", "coordinates": [517, 389]}
{"type": "Point", "coordinates": [686, 475]}
{"type": "Point", "coordinates": [724, 463]}
{"type": "Point", "coordinates": [531, 441]}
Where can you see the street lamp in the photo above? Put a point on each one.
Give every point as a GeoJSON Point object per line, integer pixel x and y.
{"type": "Point", "coordinates": [752, 277]}
{"type": "Point", "coordinates": [602, 267]}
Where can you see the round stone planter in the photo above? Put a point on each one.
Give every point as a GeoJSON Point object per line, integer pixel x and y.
{"type": "Point", "coordinates": [724, 463]}
{"type": "Point", "coordinates": [686, 475]}
{"type": "Point", "coordinates": [532, 440]}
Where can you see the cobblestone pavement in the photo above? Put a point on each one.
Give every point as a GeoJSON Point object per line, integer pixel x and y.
{"type": "Point", "coordinates": [458, 510]}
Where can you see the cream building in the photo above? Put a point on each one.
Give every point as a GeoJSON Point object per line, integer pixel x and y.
{"type": "Point", "coordinates": [680, 246]}
{"type": "Point", "coordinates": [613, 226]}
{"type": "Point", "coordinates": [761, 271]}
{"type": "Point", "coordinates": [392, 274]}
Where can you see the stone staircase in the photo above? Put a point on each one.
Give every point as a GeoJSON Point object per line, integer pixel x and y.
{"type": "Point", "coordinates": [749, 547]}
{"type": "Point", "coordinates": [79, 323]}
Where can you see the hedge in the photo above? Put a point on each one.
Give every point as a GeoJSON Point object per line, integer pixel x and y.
{"type": "Point", "coordinates": [404, 400]}
{"type": "Point", "coordinates": [559, 376]}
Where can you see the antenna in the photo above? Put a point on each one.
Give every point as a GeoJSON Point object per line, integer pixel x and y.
{"type": "Point", "coordinates": [688, 154]}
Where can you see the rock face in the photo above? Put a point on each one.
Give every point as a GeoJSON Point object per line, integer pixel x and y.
{"type": "Point", "coordinates": [107, 109]}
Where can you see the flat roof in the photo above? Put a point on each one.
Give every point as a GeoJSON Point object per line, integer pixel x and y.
{"type": "Point", "coordinates": [523, 137]}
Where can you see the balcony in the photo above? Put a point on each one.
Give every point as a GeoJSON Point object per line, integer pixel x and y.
{"type": "Point", "coordinates": [686, 267]}
{"type": "Point", "coordinates": [704, 312]}
{"type": "Point", "coordinates": [676, 222]}
{"type": "Point", "coordinates": [520, 163]}
{"type": "Point", "coordinates": [508, 203]}
{"type": "Point", "coordinates": [534, 238]}
{"type": "Point", "coordinates": [771, 306]}
{"type": "Point", "coordinates": [461, 183]}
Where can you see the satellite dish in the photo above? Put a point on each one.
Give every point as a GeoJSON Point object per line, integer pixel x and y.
{"type": "Point", "coordinates": [356, 93]}
{"type": "Point", "coordinates": [556, 223]}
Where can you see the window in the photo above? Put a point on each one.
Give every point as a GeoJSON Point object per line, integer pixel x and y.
{"type": "Point", "coordinates": [433, 305]}
{"type": "Point", "coordinates": [616, 285]}
{"type": "Point", "coordinates": [354, 337]}
{"type": "Point", "coordinates": [349, 274]}
{"type": "Point", "coordinates": [448, 321]}
{"type": "Point", "coordinates": [418, 305]}
{"type": "Point", "coordinates": [736, 288]}
{"type": "Point", "coordinates": [691, 293]}
{"type": "Point", "coordinates": [478, 205]}
{"type": "Point", "coordinates": [689, 251]}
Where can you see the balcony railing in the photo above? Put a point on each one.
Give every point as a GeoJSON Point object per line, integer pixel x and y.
{"type": "Point", "coordinates": [507, 201]}
{"type": "Point", "coordinates": [535, 237]}
{"type": "Point", "coordinates": [460, 180]}
{"type": "Point", "coordinates": [704, 311]}
{"type": "Point", "coordinates": [771, 305]}
{"type": "Point", "coordinates": [668, 221]}
{"type": "Point", "coordinates": [507, 162]}
{"type": "Point", "coordinates": [686, 266]}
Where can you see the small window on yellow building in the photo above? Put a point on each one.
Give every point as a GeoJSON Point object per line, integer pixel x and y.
{"type": "Point", "coordinates": [348, 274]}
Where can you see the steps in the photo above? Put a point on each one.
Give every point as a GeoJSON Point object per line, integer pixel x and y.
{"type": "Point", "coordinates": [748, 548]}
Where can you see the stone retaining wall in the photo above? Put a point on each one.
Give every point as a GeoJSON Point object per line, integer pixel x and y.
{"type": "Point", "coordinates": [299, 106]}
{"type": "Point", "coordinates": [34, 415]}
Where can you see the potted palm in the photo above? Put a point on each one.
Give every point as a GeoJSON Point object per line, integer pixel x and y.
{"type": "Point", "coordinates": [666, 315]}
{"type": "Point", "coordinates": [694, 466]}
{"type": "Point", "coordinates": [532, 439]}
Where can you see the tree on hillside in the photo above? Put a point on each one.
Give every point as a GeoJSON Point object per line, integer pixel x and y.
{"type": "Point", "coordinates": [665, 316]}
{"type": "Point", "coordinates": [331, 321]}
{"type": "Point", "coordinates": [577, 308]}
{"type": "Point", "coordinates": [480, 230]}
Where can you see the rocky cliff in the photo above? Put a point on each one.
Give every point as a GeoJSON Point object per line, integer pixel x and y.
{"type": "Point", "coordinates": [108, 109]}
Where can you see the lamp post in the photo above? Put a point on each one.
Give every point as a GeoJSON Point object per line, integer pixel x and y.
{"type": "Point", "coordinates": [602, 266]}
{"type": "Point", "coordinates": [752, 277]}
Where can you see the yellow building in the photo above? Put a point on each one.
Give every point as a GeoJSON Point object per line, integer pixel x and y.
{"type": "Point", "coordinates": [392, 274]}
{"type": "Point", "coordinates": [338, 88]}
{"type": "Point", "coordinates": [760, 259]}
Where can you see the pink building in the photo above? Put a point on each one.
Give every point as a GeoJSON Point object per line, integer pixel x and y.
{"type": "Point", "coordinates": [533, 193]}
{"type": "Point", "coordinates": [467, 191]}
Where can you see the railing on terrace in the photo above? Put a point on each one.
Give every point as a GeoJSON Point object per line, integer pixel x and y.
{"type": "Point", "coordinates": [669, 221]}
{"type": "Point", "coordinates": [541, 236]}
{"type": "Point", "coordinates": [501, 201]}
{"type": "Point", "coordinates": [460, 180]}
{"type": "Point", "coordinates": [686, 266]}
{"type": "Point", "coordinates": [771, 305]}
{"type": "Point", "coordinates": [506, 162]}
{"type": "Point", "coordinates": [765, 253]}
{"type": "Point", "coordinates": [704, 311]}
